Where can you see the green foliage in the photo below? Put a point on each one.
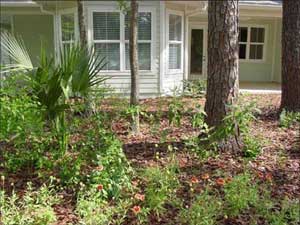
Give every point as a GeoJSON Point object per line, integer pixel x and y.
{"type": "Point", "coordinates": [34, 208]}
{"type": "Point", "coordinates": [240, 194]}
{"type": "Point", "coordinates": [175, 111]}
{"type": "Point", "coordinates": [19, 116]}
{"type": "Point", "coordinates": [204, 210]}
{"type": "Point", "coordinates": [93, 209]}
{"type": "Point", "coordinates": [198, 117]}
{"type": "Point", "coordinates": [161, 186]}
{"type": "Point", "coordinates": [108, 153]}
{"type": "Point", "coordinates": [289, 214]}
{"type": "Point", "coordinates": [194, 88]}
{"type": "Point", "coordinates": [288, 119]}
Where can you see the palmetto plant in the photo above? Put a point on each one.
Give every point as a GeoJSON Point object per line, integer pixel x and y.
{"type": "Point", "coordinates": [75, 73]}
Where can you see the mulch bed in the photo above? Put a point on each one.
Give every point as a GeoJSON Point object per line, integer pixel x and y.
{"type": "Point", "coordinates": [280, 155]}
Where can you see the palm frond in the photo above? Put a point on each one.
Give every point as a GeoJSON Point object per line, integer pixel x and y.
{"type": "Point", "coordinates": [15, 49]}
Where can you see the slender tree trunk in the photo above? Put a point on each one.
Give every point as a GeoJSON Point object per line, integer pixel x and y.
{"type": "Point", "coordinates": [290, 97]}
{"type": "Point", "coordinates": [82, 30]}
{"type": "Point", "coordinates": [134, 65]}
{"type": "Point", "coordinates": [223, 67]}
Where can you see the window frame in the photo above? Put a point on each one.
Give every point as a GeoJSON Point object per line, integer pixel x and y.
{"type": "Point", "coordinates": [249, 43]}
{"type": "Point", "coordinates": [76, 31]}
{"type": "Point", "coordinates": [123, 71]}
{"type": "Point", "coordinates": [168, 42]}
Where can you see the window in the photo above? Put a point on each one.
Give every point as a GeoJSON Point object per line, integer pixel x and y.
{"type": "Point", "coordinates": [175, 42]}
{"type": "Point", "coordinates": [144, 41]}
{"type": "Point", "coordinates": [111, 39]}
{"type": "Point", "coordinates": [106, 26]}
{"type": "Point", "coordinates": [251, 43]}
{"type": "Point", "coordinates": [67, 26]}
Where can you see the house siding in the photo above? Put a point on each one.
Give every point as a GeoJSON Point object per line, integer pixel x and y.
{"type": "Point", "coordinates": [120, 81]}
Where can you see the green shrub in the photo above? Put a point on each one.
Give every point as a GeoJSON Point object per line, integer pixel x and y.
{"type": "Point", "coordinates": [288, 119]}
{"type": "Point", "coordinates": [93, 209]}
{"type": "Point", "coordinates": [240, 195]}
{"type": "Point", "coordinates": [204, 210]}
{"type": "Point", "coordinates": [20, 116]}
{"type": "Point", "coordinates": [35, 207]}
{"type": "Point", "coordinates": [198, 117]}
{"type": "Point", "coordinates": [161, 186]}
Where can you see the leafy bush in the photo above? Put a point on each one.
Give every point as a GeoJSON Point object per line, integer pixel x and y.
{"type": "Point", "coordinates": [204, 210]}
{"type": "Point", "coordinates": [93, 209]}
{"type": "Point", "coordinates": [161, 185]}
{"type": "Point", "coordinates": [240, 194]}
{"type": "Point", "coordinates": [287, 119]}
{"type": "Point", "coordinates": [20, 116]}
{"type": "Point", "coordinates": [35, 207]}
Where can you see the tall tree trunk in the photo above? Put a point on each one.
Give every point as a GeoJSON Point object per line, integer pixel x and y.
{"type": "Point", "coordinates": [134, 65]}
{"type": "Point", "coordinates": [223, 67]}
{"type": "Point", "coordinates": [290, 97]}
{"type": "Point", "coordinates": [82, 31]}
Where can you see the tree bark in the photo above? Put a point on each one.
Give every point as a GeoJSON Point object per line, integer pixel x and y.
{"type": "Point", "coordinates": [290, 97]}
{"type": "Point", "coordinates": [82, 30]}
{"type": "Point", "coordinates": [134, 65]}
{"type": "Point", "coordinates": [223, 66]}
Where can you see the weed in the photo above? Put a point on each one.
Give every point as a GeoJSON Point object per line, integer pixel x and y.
{"type": "Point", "coordinates": [288, 119]}
{"type": "Point", "coordinates": [204, 210]}
{"type": "Point", "coordinates": [240, 194]}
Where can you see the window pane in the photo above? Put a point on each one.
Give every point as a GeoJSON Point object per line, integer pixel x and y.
{"type": "Point", "coordinates": [175, 27]}
{"type": "Point", "coordinates": [144, 26]}
{"type": "Point", "coordinates": [67, 27]}
{"type": "Point", "coordinates": [111, 54]}
{"type": "Point", "coordinates": [174, 56]}
{"type": "Point", "coordinates": [144, 52]}
{"type": "Point", "coordinates": [106, 25]}
{"type": "Point", "coordinates": [243, 33]}
{"type": "Point", "coordinates": [242, 51]}
{"type": "Point", "coordinates": [257, 35]}
{"type": "Point", "coordinates": [256, 51]}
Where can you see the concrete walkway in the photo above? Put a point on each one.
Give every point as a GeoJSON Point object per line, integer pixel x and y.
{"type": "Point", "coordinates": [260, 88]}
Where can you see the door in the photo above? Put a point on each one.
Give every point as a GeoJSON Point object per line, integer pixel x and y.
{"type": "Point", "coordinates": [197, 53]}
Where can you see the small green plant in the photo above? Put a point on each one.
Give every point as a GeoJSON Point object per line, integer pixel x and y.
{"type": "Point", "coordinates": [240, 194]}
{"type": "Point", "coordinates": [194, 88]}
{"type": "Point", "coordinates": [289, 213]}
{"type": "Point", "coordinates": [198, 117]}
{"type": "Point", "coordinates": [175, 111]}
{"type": "Point", "coordinates": [161, 186]}
{"type": "Point", "coordinates": [204, 210]}
{"type": "Point", "coordinates": [93, 209]}
{"type": "Point", "coordinates": [288, 119]}
{"type": "Point", "coordinates": [35, 207]}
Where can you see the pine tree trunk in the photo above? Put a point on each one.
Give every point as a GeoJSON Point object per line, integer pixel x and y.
{"type": "Point", "coordinates": [134, 66]}
{"type": "Point", "coordinates": [223, 67]}
{"type": "Point", "coordinates": [82, 31]}
{"type": "Point", "coordinates": [290, 98]}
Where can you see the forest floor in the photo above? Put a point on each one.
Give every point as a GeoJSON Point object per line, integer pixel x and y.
{"type": "Point", "coordinates": [278, 163]}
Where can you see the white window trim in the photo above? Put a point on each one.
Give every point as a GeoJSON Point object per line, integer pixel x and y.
{"type": "Point", "coordinates": [178, 13]}
{"type": "Point", "coordinates": [123, 71]}
{"type": "Point", "coordinates": [248, 43]}
{"type": "Point", "coordinates": [76, 32]}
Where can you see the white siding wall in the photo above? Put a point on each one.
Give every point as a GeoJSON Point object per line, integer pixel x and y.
{"type": "Point", "coordinates": [120, 81]}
